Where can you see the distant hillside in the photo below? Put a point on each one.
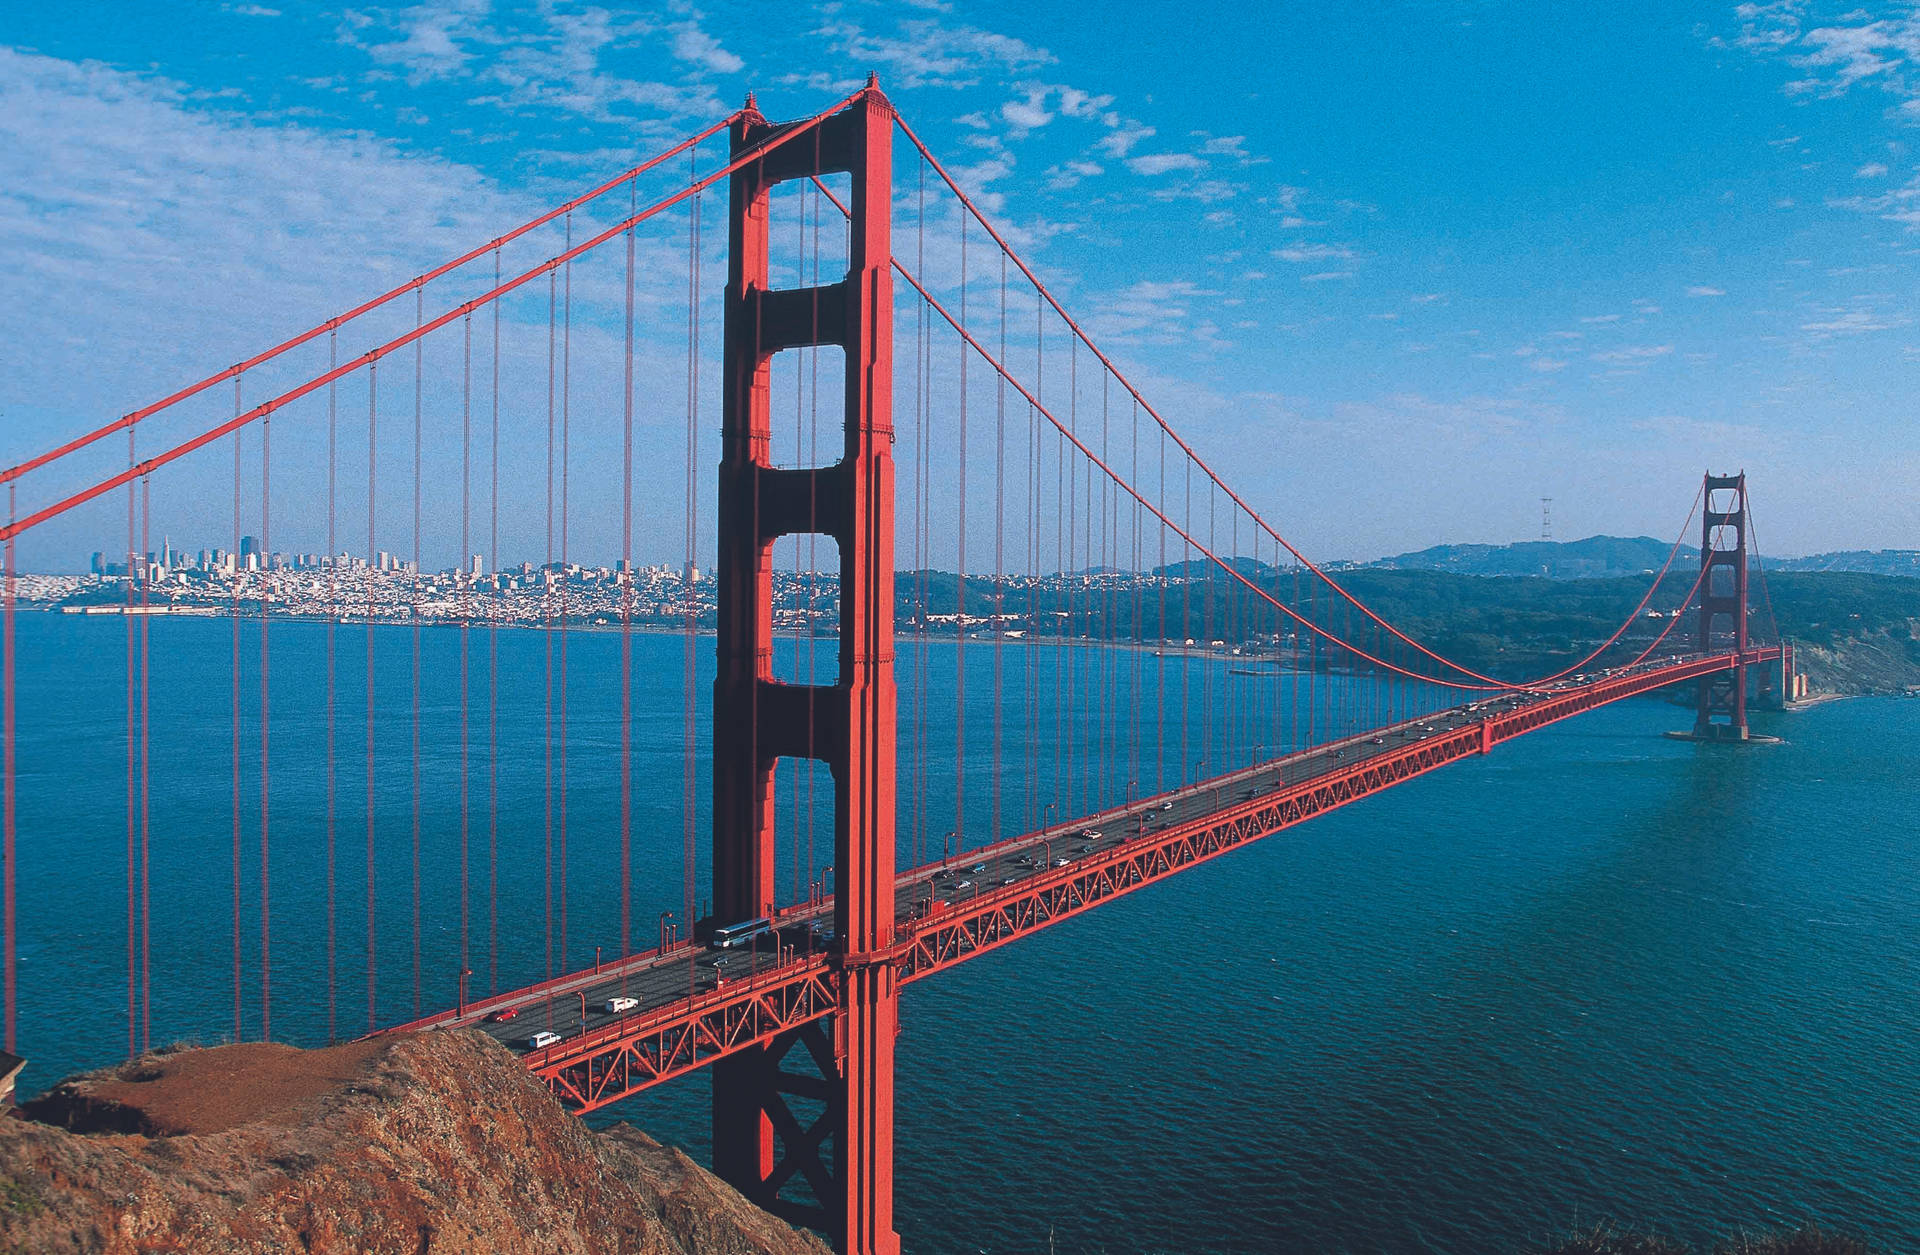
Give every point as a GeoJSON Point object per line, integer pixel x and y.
{"type": "Point", "coordinates": [1596, 557]}
{"type": "Point", "coordinates": [1609, 557]}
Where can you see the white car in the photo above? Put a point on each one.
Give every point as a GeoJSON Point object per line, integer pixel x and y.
{"type": "Point", "coordinates": [542, 1039]}
{"type": "Point", "coordinates": [617, 1005]}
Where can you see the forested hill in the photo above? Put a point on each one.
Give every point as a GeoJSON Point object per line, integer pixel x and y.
{"type": "Point", "coordinates": [1505, 626]}
{"type": "Point", "coordinates": [1602, 557]}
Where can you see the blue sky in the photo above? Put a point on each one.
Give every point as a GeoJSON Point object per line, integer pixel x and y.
{"type": "Point", "coordinates": [1406, 268]}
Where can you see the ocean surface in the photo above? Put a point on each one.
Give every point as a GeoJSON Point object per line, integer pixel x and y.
{"type": "Point", "coordinates": [1595, 974]}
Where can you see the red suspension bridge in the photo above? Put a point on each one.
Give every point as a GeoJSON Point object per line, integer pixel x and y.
{"type": "Point", "coordinates": [1080, 593]}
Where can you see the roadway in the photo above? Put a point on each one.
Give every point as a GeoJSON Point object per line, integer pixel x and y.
{"type": "Point", "coordinates": [577, 1003]}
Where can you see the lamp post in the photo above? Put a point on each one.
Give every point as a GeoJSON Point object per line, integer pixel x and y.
{"type": "Point", "coordinates": [596, 960]}
{"type": "Point", "coordinates": [665, 918]}
{"type": "Point", "coordinates": [1130, 785]}
{"type": "Point", "coordinates": [1046, 815]}
{"type": "Point", "coordinates": [583, 1009]}
{"type": "Point", "coordinates": [460, 1011]}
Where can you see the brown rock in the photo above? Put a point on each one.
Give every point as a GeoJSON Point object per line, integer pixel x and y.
{"type": "Point", "coordinates": [437, 1142]}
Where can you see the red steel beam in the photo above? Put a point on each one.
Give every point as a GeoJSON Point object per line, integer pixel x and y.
{"type": "Point", "coordinates": [619, 1060]}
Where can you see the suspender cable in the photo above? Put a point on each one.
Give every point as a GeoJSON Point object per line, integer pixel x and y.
{"type": "Point", "coordinates": [689, 802]}
{"type": "Point", "coordinates": [373, 567]}
{"type": "Point", "coordinates": [626, 622]}
{"type": "Point", "coordinates": [333, 618]}
{"type": "Point", "coordinates": [493, 668]}
{"type": "Point", "coordinates": [566, 429]}
{"type": "Point", "coordinates": [133, 781]}
{"type": "Point", "coordinates": [999, 557]}
{"type": "Point", "coordinates": [234, 717]}
{"type": "Point", "coordinates": [546, 636]}
{"type": "Point", "coordinates": [960, 604]}
{"type": "Point", "coordinates": [266, 723]}
{"type": "Point", "coordinates": [465, 583]}
{"type": "Point", "coordinates": [7, 770]}
{"type": "Point", "coordinates": [413, 606]}
{"type": "Point", "coordinates": [146, 780]}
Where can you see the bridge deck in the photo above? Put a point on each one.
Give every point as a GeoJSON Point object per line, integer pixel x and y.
{"type": "Point", "coordinates": [694, 1005]}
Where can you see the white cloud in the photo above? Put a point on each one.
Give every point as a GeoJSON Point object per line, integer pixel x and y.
{"type": "Point", "coordinates": [1025, 115]}
{"type": "Point", "coordinates": [1124, 136]}
{"type": "Point", "coordinates": [1300, 253]}
{"type": "Point", "coordinates": [694, 45]}
{"type": "Point", "coordinates": [1634, 353]}
{"type": "Point", "coordinates": [1852, 323]}
{"type": "Point", "coordinates": [1872, 170]}
{"type": "Point", "coordinates": [1703, 290]}
{"type": "Point", "coordinates": [1153, 164]}
{"type": "Point", "coordinates": [927, 53]}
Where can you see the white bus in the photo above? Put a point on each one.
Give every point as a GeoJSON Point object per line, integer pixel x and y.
{"type": "Point", "coordinates": [740, 934]}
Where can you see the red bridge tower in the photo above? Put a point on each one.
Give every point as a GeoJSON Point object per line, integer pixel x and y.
{"type": "Point", "coordinates": [759, 1144]}
{"type": "Point", "coordinates": [1722, 710]}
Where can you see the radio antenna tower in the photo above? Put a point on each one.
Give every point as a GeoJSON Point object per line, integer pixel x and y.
{"type": "Point", "coordinates": [1546, 518]}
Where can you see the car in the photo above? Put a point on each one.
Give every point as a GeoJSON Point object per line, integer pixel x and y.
{"type": "Point", "coordinates": [617, 1006]}
{"type": "Point", "coordinates": [1379, 740]}
{"type": "Point", "coordinates": [1062, 861]}
{"type": "Point", "coordinates": [503, 1015]}
{"type": "Point", "coordinates": [977, 868]}
{"type": "Point", "coordinates": [1010, 880]}
{"type": "Point", "coordinates": [542, 1039]}
{"type": "Point", "coordinates": [1166, 806]}
{"type": "Point", "coordinates": [965, 884]}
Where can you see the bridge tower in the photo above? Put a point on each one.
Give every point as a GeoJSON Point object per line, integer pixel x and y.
{"type": "Point", "coordinates": [1721, 714]}
{"type": "Point", "coordinates": [844, 1155]}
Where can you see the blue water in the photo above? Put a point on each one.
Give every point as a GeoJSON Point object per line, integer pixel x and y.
{"type": "Point", "coordinates": [1595, 974]}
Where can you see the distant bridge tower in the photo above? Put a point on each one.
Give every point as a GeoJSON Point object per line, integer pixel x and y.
{"type": "Point", "coordinates": [760, 1144]}
{"type": "Point", "coordinates": [1722, 709]}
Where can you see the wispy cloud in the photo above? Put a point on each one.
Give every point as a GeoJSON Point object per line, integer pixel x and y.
{"type": "Point", "coordinates": [1300, 254]}
{"type": "Point", "coordinates": [1700, 289]}
{"type": "Point", "coordinates": [1634, 354]}
{"type": "Point", "coordinates": [1152, 164]}
{"type": "Point", "coordinates": [1853, 322]}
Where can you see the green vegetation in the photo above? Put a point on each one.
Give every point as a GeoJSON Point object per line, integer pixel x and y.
{"type": "Point", "coordinates": [1501, 625]}
{"type": "Point", "coordinates": [17, 1198]}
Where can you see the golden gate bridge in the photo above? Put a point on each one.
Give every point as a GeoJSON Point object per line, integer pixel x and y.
{"type": "Point", "coordinates": [1033, 466]}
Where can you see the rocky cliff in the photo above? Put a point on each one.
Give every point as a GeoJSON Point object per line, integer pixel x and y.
{"type": "Point", "coordinates": [431, 1143]}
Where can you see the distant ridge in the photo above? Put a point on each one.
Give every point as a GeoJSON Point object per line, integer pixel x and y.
{"type": "Point", "coordinates": [1605, 557]}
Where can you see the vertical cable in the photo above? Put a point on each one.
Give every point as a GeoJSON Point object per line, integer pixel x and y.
{"type": "Point", "coordinates": [464, 579]}
{"type": "Point", "coordinates": [689, 804]}
{"type": "Point", "coordinates": [566, 427]}
{"type": "Point", "coordinates": [546, 616]}
{"type": "Point", "coordinates": [7, 769]}
{"type": "Point", "coordinates": [146, 780]}
{"type": "Point", "coordinates": [234, 715]}
{"type": "Point", "coordinates": [413, 606]}
{"type": "Point", "coordinates": [333, 618]}
{"type": "Point", "coordinates": [960, 608]}
{"type": "Point", "coordinates": [266, 601]}
{"type": "Point", "coordinates": [626, 616]}
{"type": "Point", "coordinates": [373, 567]}
{"type": "Point", "coordinates": [997, 627]}
{"type": "Point", "coordinates": [134, 564]}
{"type": "Point", "coordinates": [493, 667]}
